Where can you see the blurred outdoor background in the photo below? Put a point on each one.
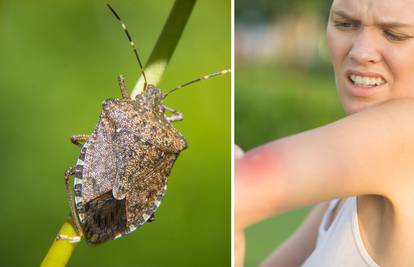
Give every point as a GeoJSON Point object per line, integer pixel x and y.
{"type": "Point", "coordinates": [284, 85]}
{"type": "Point", "coordinates": [59, 60]}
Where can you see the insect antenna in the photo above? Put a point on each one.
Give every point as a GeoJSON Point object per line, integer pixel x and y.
{"type": "Point", "coordinates": [205, 77]}
{"type": "Point", "coordinates": [130, 41]}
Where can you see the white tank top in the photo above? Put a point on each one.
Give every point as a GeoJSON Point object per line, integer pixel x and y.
{"type": "Point", "coordinates": [341, 244]}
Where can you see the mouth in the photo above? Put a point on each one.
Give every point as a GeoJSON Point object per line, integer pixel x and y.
{"type": "Point", "coordinates": [364, 83]}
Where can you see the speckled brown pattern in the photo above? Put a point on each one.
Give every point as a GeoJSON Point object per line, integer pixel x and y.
{"type": "Point", "coordinates": [99, 161]}
{"type": "Point", "coordinates": [122, 171]}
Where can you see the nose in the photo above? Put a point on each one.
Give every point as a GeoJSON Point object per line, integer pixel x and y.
{"type": "Point", "coordinates": [365, 48]}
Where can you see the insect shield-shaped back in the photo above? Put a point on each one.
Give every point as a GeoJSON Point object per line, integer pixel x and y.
{"type": "Point", "coordinates": [122, 171]}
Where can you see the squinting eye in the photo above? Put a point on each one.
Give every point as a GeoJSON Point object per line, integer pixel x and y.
{"type": "Point", "coordinates": [345, 25]}
{"type": "Point", "coordinates": [394, 37]}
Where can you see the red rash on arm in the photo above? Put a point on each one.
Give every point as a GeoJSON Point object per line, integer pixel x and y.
{"type": "Point", "coordinates": [256, 183]}
{"type": "Point", "coordinates": [355, 155]}
{"type": "Point", "coordinates": [258, 165]}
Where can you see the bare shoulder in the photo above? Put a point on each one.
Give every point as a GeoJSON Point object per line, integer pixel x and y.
{"type": "Point", "coordinates": [386, 220]}
{"type": "Point", "coordinates": [377, 151]}
{"type": "Point", "coordinates": [397, 117]}
{"type": "Point", "coordinates": [386, 213]}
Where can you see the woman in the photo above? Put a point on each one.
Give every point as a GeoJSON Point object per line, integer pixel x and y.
{"type": "Point", "coordinates": [361, 167]}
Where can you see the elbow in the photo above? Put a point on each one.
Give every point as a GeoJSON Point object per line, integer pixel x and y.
{"type": "Point", "coordinates": [258, 189]}
{"type": "Point", "coordinates": [259, 166]}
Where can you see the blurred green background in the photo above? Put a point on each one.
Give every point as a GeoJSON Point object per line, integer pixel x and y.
{"type": "Point", "coordinates": [284, 85]}
{"type": "Point", "coordinates": [59, 61]}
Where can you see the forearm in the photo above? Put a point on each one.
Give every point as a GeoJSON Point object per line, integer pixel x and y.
{"type": "Point", "coordinates": [269, 179]}
{"type": "Point", "coordinates": [352, 156]}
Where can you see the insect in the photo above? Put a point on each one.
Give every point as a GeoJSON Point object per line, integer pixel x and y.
{"type": "Point", "coordinates": [121, 173]}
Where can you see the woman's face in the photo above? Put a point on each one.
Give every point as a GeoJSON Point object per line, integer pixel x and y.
{"type": "Point", "coordinates": [371, 44]}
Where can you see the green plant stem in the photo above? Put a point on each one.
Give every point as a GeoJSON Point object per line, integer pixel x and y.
{"type": "Point", "coordinates": [61, 250]}
{"type": "Point", "coordinates": [167, 41]}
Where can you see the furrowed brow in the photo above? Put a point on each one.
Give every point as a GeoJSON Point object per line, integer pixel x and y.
{"type": "Point", "coordinates": [344, 15]}
{"type": "Point", "coordinates": [394, 25]}
{"type": "Point", "coordinates": [383, 24]}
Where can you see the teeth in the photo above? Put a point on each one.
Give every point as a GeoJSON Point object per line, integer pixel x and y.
{"type": "Point", "coordinates": [366, 81]}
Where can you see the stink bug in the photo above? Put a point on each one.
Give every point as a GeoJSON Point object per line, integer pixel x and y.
{"type": "Point", "coordinates": [121, 173]}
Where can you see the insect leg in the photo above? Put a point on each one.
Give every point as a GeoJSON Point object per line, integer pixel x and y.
{"type": "Point", "coordinates": [77, 138]}
{"type": "Point", "coordinates": [122, 86]}
{"type": "Point", "coordinates": [177, 116]}
{"type": "Point", "coordinates": [152, 218]}
{"type": "Point", "coordinates": [71, 171]}
{"type": "Point", "coordinates": [70, 239]}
